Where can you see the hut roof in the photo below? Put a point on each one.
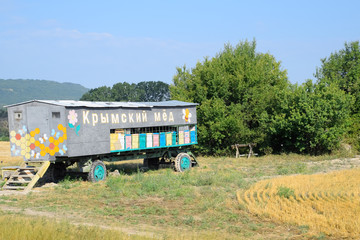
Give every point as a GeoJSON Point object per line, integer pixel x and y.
{"type": "Point", "coordinates": [72, 103]}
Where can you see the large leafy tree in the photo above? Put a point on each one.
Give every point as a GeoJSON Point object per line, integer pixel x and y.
{"type": "Point", "coordinates": [98, 94]}
{"type": "Point", "coordinates": [313, 119]}
{"type": "Point", "coordinates": [343, 69]}
{"type": "Point", "coordinates": [235, 89]}
{"type": "Point", "coordinates": [4, 130]}
{"type": "Point", "coordinates": [153, 91]}
{"type": "Point", "coordinates": [122, 92]}
{"type": "Point", "coordinates": [3, 112]}
{"type": "Point", "coordinates": [143, 91]}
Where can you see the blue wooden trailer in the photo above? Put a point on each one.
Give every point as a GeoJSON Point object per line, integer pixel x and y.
{"type": "Point", "coordinates": [61, 133]}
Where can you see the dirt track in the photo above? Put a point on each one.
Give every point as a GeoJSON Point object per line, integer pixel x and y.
{"type": "Point", "coordinates": [76, 220]}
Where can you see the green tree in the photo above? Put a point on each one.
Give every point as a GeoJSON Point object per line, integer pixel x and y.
{"type": "Point", "coordinates": [123, 92]}
{"type": "Point", "coordinates": [313, 119]}
{"type": "Point", "coordinates": [235, 89]}
{"type": "Point", "coordinates": [153, 91]}
{"type": "Point", "coordinates": [98, 94]}
{"type": "Point", "coordinates": [4, 129]}
{"type": "Point", "coordinates": [3, 113]}
{"type": "Point", "coordinates": [343, 69]}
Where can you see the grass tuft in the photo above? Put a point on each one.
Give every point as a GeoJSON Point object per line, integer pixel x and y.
{"type": "Point", "coordinates": [68, 183]}
{"type": "Point", "coordinates": [285, 192]}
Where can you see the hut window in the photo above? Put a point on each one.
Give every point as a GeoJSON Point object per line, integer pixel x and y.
{"type": "Point", "coordinates": [18, 115]}
{"type": "Point", "coordinates": [55, 114]}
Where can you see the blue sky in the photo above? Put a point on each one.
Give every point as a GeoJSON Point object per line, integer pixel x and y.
{"type": "Point", "coordinates": [96, 43]}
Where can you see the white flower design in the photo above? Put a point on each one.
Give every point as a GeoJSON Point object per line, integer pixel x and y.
{"type": "Point", "coordinates": [72, 117]}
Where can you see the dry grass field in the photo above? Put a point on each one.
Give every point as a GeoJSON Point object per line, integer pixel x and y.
{"type": "Point", "coordinates": [27, 228]}
{"type": "Point", "coordinates": [199, 204]}
{"type": "Point", "coordinates": [326, 203]}
{"type": "Point", "coordinates": [5, 156]}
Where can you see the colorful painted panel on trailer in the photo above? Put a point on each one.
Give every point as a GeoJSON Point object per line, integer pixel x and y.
{"type": "Point", "coordinates": [156, 139]}
{"type": "Point", "coordinates": [181, 137]}
{"type": "Point", "coordinates": [142, 140]}
{"type": "Point", "coordinates": [168, 139]}
{"type": "Point", "coordinates": [187, 136]}
{"type": "Point", "coordinates": [128, 141]}
{"type": "Point", "coordinates": [135, 141]}
{"type": "Point", "coordinates": [35, 144]}
{"type": "Point", "coordinates": [149, 140]}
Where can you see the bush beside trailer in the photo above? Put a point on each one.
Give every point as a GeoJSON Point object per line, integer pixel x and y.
{"type": "Point", "coordinates": [66, 132]}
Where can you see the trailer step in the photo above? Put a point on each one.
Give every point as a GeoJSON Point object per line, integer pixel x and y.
{"type": "Point", "coordinates": [27, 168]}
{"type": "Point", "coordinates": [19, 180]}
{"type": "Point", "coordinates": [23, 175]}
{"type": "Point", "coordinates": [14, 188]}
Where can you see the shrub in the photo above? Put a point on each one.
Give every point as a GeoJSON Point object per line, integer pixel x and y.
{"type": "Point", "coordinates": [285, 192]}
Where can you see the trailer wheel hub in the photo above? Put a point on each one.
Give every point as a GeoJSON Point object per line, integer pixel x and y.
{"type": "Point", "coordinates": [185, 163]}
{"type": "Point", "coordinates": [182, 162]}
{"type": "Point", "coordinates": [99, 173]}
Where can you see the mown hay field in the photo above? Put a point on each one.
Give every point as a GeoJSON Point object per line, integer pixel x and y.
{"type": "Point", "coordinates": [321, 203]}
{"type": "Point", "coordinates": [5, 155]}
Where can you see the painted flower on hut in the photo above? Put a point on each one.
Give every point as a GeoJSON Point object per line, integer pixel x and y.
{"type": "Point", "coordinates": [72, 117]}
{"type": "Point", "coordinates": [73, 120]}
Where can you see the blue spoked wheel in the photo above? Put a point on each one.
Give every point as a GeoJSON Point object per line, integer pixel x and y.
{"type": "Point", "coordinates": [97, 171]}
{"type": "Point", "coordinates": [182, 162]}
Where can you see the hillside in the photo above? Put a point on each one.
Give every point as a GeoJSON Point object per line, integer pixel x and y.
{"type": "Point", "coordinates": [19, 90]}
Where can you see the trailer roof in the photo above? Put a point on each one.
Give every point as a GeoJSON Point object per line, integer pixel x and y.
{"type": "Point", "coordinates": [72, 103]}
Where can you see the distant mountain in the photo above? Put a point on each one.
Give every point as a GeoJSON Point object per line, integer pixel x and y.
{"type": "Point", "coordinates": [19, 90]}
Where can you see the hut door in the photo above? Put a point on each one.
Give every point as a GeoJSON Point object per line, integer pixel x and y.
{"type": "Point", "coordinates": [38, 117]}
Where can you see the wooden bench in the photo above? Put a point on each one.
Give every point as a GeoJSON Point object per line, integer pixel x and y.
{"type": "Point", "coordinates": [249, 145]}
